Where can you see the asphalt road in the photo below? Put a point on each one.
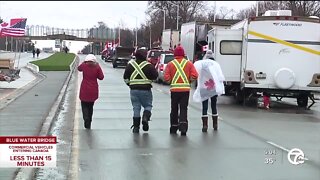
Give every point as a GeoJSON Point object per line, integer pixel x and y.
{"type": "Point", "coordinates": [251, 143]}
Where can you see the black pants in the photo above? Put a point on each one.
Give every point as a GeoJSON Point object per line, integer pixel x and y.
{"type": "Point", "coordinates": [87, 110]}
{"type": "Point", "coordinates": [205, 103]}
{"type": "Point", "coordinates": [179, 100]}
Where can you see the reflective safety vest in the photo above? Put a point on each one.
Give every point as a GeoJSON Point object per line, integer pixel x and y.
{"type": "Point", "coordinates": [180, 74]}
{"type": "Point", "coordinates": [138, 71]}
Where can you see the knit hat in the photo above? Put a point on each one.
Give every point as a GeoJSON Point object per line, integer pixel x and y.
{"type": "Point", "coordinates": [90, 57]}
{"type": "Point", "coordinates": [178, 51]}
{"type": "Point", "coordinates": [209, 54]}
{"type": "Point", "coordinates": [141, 54]}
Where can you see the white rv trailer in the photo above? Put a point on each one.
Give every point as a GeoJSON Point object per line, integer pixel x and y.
{"type": "Point", "coordinates": [279, 55]}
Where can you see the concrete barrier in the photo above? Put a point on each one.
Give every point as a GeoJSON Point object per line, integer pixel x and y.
{"type": "Point", "coordinates": [34, 68]}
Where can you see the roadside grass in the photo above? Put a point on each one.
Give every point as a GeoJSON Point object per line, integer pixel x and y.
{"type": "Point", "coordinates": [57, 62]}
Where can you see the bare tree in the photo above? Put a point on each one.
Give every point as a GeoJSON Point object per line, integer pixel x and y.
{"type": "Point", "coordinates": [304, 8]}
{"type": "Point", "coordinates": [127, 38]}
{"type": "Point", "coordinates": [298, 8]}
{"type": "Point", "coordinates": [102, 24]}
{"type": "Point", "coordinates": [188, 11]}
{"type": "Point", "coordinates": [222, 13]}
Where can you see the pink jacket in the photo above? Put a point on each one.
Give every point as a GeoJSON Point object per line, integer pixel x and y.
{"type": "Point", "coordinates": [89, 90]}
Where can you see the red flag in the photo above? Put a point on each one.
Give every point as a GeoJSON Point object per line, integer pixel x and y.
{"type": "Point", "coordinates": [16, 28]}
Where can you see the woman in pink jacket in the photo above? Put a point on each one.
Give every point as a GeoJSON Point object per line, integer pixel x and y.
{"type": "Point", "coordinates": [89, 90]}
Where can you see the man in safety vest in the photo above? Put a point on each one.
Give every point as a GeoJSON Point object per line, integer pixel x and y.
{"type": "Point", "coordinates": [138, 75]}
{"type": "Point", "coordinates": [179, 73]}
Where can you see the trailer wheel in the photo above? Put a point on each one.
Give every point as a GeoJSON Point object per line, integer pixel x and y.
{"type": "Point", "coordinates": [302, 100]}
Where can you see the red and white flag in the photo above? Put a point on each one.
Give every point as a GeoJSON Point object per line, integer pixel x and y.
{"type": "Point", "coordinates": [15, 29]}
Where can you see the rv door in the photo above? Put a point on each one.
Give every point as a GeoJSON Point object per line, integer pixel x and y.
{"type": "Point", "coordinates": [226, 45]}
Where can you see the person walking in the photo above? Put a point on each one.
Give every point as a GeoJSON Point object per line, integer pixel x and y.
{"type": "Point", "coordinates": [179, 73]}
{"type": "Point", "coordinates": [210, 86]}
{"type": "Point", "coordinates": [138, 75]}
{"type": "Point", "coordinates": [66, 50]}
{"type": "Point", "coordinates": [38, 52]}
{"type": "Point", "coordinates": [33, 52]}
{"type": "Point", "coordinates": [89, 90]}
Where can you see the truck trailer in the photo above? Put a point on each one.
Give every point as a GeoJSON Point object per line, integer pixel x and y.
{"type": "Point", "coordinates": [170, 39]}
{"type": "Point", "coordinates": [193, 36]}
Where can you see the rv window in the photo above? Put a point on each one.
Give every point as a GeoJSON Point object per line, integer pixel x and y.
{"type": "Point", "coordinates": [230, 47]}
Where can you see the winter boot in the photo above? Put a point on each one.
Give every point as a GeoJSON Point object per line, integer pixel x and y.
{"type": "Point", "coordinates": [204, 123]}
{"type": "Point", "coordinates": [183, 128]}
{"type": "Point", "coordinates": [215, 122]}
{"type": "Point", "coordinates": [145, 118]}
{"type": "Point", "coordinates": [173, 129]}
{"type": "Point", "coordinates": [87, 124]}
{"type": "Point", "coordinates": [136, 124]}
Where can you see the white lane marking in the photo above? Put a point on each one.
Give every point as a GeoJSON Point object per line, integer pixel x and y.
{"type": "Point", "coordinates": [74, 168]}
{"type": "Point", "coordinates": [278, 146]}
{"type": "Point", "coordinates": [282, 148]}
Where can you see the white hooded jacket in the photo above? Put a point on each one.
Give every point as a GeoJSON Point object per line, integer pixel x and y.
{"type": "Point", "coordinates": [210, 79]}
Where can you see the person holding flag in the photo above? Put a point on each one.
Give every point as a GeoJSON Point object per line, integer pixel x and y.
{"type": "Point", "coordinates": [210, 86]}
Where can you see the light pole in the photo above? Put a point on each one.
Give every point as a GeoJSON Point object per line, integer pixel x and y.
{"type": "Point", "coordinates": [119, 34]}
{"type": "Point", "coordinates": [113, 31]}
{"type": "Point", "coordinates": [136, 31]}
{"type": "Point", "coordinates": [164, 19]}
{"type": "Point", "coordinates": [177, 13]}
{"type": "Point", "coordinates": [164, 16]}
{"type": "Point", "coordinates": [150, 37]}
{"type": "Point", "coordinates": [215, 11]}
{"type": "Point", "coordinates": [136, 44]}
{"type": "Point", "coordinates": [257, 8]}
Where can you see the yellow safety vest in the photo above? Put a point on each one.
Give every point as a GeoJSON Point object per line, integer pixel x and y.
{"type": "Point", "coordinates": [138, 71]}
{"type": "Point", "coordinates": [180, 74]}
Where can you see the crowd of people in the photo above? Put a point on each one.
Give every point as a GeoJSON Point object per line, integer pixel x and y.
{"type": "Point", "coordinates": [139, 75]}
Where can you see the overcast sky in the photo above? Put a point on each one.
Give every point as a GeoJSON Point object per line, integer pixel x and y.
{"type": "Point", "coordinates": [85, 14]}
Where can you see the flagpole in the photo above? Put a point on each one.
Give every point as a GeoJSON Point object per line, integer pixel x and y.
{"type": "Point", "coordinates": [6, 43]}
{"type": "Point", "coordinates": [257, 9]}
{"type": "Point", "coordinates": [19, 54]}
{"type": "Point", "coordinates": [11, 49]}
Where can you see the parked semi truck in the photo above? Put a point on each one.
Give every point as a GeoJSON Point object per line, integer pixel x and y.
{"type": "Point", "coordinates": [276, 53]}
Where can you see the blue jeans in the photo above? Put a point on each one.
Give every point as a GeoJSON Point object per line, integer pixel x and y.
{"type": "Point", "coordinates": [141, 98]}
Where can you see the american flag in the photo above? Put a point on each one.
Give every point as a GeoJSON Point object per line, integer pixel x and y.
{"type": "Point", "coordinates": [16, 28]}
